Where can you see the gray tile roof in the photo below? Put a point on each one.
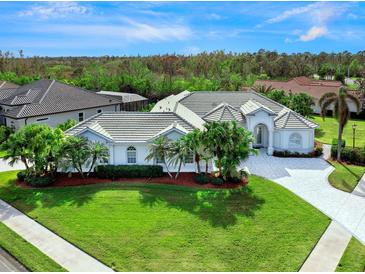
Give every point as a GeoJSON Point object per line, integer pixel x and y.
{"type": "Point", "coordinates": [7, 85]}
{"type": "Point", "coordinates": [291, 120]}
{"type": "Point", "coordinates": [127, 126]}
{"type": "Point", "coordinates": [201, 102]}
{"type": "Point", "coordinates": [45, 97]}
{"type": "Point", "coordinates": [125, 97]}
{"type": "Point", "coordinates": [223, 112]}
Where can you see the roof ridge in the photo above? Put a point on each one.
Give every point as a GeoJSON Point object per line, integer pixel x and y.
{"type": "Point", "coordinates": [46, 92]}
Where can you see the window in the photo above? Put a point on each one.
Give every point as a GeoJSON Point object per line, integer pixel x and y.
{"type": "Point", "coordinates": [81, 116]}
{"type": "Point", "coordinates": [42, 119]}
{"type": "Point", "coordinates": [99, 110]}
{"type": "Point", "coordinates": [295, 140]}
{"type": "Point", "coordinates": [131, 155]}
{"type": "Point", "coordinates": [190, 158]}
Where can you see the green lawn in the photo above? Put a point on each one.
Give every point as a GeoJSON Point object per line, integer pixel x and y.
{"type": "Point", "coordinates": [25, 253]}
{"type": "Point", "coordinates": [345, 177]}
{"type": "Point", "coordinates": [329, 130]}
{"type": "Point", "coordinates": [139, 227]}
{"type": "Point", "coordinates": [353, 260]}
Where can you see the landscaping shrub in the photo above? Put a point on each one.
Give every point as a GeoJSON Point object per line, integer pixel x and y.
{"type": "Point", "coordinates": [37, 181]}
{"type": "Point", "coordinates": [201, 179]}
{"type": "Point", "coordinates": [128, 171]}
{"type": "Point", "coordinates": [217, 181]}
{"type": "Point", "coordinates": [351, 155]}
{"type": "Point", "coordinates": [21, 175]}
{"type": "Point", "coordinates": [315, 153]}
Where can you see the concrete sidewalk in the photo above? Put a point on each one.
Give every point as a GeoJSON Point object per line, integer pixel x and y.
{"type": "Point", "coordinates": [328, 251]}
{"type": "Point", "coordinates": [65, 254]}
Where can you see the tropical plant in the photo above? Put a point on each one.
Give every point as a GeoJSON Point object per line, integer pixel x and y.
{"type": "Point", "coordinates": [67, 124]}
{"type": "Point", "coordinates": [262, 89]}
{"type": "Point", "coordinates": [158, 149]}
{"type": "Point", "coordinates": [178, 153]}
{"type": "Point", "coordinates": [5, 132]}
{"type": "Point", "coordinates": [76, 152]}
{"type": "Point", "coordinates": [99, 152]}
{"type": "Point", "coordinates": [193, 141]}
{"type": "Point", "coordinates": [340, 110]}
{"type": "Point", "coordinates": [301, 103]}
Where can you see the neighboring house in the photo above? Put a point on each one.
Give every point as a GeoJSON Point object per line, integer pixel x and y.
{"type": "Point", "coordinates": [128, 134]}
{"type": "Point", "coordinates": [50, 102]}
{"type": "Point", "coordinates": [129, 101]}
{"type": "Point", "coordinates": [314, 88]}
{"type": "Point", "coordinates": [7, 85]}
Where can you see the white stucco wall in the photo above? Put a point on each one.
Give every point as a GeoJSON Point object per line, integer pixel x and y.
{"type": "Point", "coordinates": [281, 140]}
{"type": "Point", "coordinates": [58, 118]}
{"type": "Point", "coordinates": [317, 109]}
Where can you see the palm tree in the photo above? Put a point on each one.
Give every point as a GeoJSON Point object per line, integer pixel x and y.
{"type": "Point", "coordinates": [340, 110]}
{"type": "Point", "coordinates": [16, 148]}
{"type": "Point", "coordinates": [159, 150]}
{"type": "Point", "coordinates": [194, 141]}
{"type": "Point", "coordinates": [98, 152]}
{"type": "Point", "coordinates": [178, 153]}
{"type": "Point", "coordinates": [262, 89]}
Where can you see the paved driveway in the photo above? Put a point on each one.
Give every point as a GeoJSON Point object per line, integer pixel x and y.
{"type": "Point", "coordinates": [308, 179]}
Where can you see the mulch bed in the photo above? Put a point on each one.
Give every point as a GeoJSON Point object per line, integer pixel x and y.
{"type": "Point", "coordinates": [184, 179]}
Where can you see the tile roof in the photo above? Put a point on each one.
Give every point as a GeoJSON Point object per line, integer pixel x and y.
{"type": "Point", "coordinates": [314, 88]}
{"type": "Point", "coordinates": [127, 126]}
{"type": "Point", "coordinates": [291, 120]}
{"type": "Point", "coordinates": [223, 112]}
{"type": "Point", "coordinates": [125, 97]}
{"type": "Point", "coordinates": [7, 85]}
{"type": "Point", "coordinates": [202, 102]}
{"type": "Point", "coordinates": [252, 106]}
{"type": "Point", "coordinates": [45, 97]}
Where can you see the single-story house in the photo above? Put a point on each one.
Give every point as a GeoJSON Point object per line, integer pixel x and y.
{"type": "Point", "coordinates": [50, 102]}
{"type": "Point", "coordinates": [128, 134]}
{"type": "Point", "coordinates": [314, 88]}
{"type": "Point", "coordinates": [129, 101]}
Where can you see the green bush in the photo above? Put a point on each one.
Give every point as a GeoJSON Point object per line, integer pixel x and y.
{"type": "Point", "coordinates": [128, 171]}
{"type": "Point", "coordinates": [21, 175]}
{"type": "Point", "coordinates": [217, 181]}
{"type": "Point", "coordinates": [315, 153]}
{"type": "Point", "coordinates": [351, 155]}
{"type": "Point", "coordinates": [202, 179]}
{"type": "Point", "coordinates": [38, 181]}
{"type": "Point", "coordinates": [235, 177]}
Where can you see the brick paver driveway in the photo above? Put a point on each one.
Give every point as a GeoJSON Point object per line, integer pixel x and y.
{"type": "Point", "coordinates": [307, 178]}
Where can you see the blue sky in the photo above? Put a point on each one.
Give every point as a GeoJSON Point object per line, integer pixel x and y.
{"type": "Point", "coordinates": [132, 28]}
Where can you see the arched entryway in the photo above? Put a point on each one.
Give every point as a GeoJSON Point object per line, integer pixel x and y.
{"type": "Point", "coordinates": [261, 136]}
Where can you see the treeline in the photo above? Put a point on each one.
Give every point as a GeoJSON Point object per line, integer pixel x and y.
{"type": "Point", "coordinates": [160, 75]}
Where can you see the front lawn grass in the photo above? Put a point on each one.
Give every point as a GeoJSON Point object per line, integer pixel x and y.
{"type": "Point", "coordinates": [345, 177]}
{"type": "Point", "coordinates": [353, 260]}
{"type": "Point", "coordinates": [329, 130]}
{"type": "Point", "coordinates": [28, 255]}
{"type": "Point", "coordinates": [152, 227]}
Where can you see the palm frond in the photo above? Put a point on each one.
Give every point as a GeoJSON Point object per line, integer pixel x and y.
{"type": "Point", "coordinates": [326, 97]}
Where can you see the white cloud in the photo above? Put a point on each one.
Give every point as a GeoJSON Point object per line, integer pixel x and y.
{"type": "Point", "coordinates": [55, 10]}
{"type": "Point", "coordinates": [293, 12]}
{"type": "Point", "coordinates": [214, 16]}
{"type": "Point", "coordinates": [130, 31]}
{"type": "Point", "coordinates": [313, 33]}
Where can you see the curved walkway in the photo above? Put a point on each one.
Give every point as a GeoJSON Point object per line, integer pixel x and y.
{"type": "Point", "coordinates": [308, 178]}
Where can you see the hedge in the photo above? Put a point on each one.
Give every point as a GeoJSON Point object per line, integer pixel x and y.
{"type": "Point", "coordinates": [335, 142]}
{"type": "Point", "coordinates": [351, 155]}
{"type": "Point", "coordinates": [128, 171]}
{"type": "Point", "coordinates": [315, 153]}
{"type": "Point", "coordinates": [38, 181]}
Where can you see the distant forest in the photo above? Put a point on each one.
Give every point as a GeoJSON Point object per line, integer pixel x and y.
{"type": "Point", "coordinates": [160, 75]}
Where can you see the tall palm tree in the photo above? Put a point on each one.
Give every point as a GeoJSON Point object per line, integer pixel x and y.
{"type": "Point", "coordinates": [178, 154]}
{"type": "Point", "coordinates": [159, 150]}
{"type": "Point", "coordinates": [194, 141]}
{"type": "Point", "coordinates": [98, 152]}
{"type": "Point", "coordinates": [340, 110]}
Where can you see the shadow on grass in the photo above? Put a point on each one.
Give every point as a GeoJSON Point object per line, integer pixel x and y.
{"type": "Point", "coordinates": [221, 208]}
{"type": "Point", "coordinates": [318, 132]}
{"type": "Point", "coordinates": [350, 171]}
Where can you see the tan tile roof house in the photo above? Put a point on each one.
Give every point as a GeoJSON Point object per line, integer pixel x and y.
{"type": "Point", "coordinates": [303, 84]}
